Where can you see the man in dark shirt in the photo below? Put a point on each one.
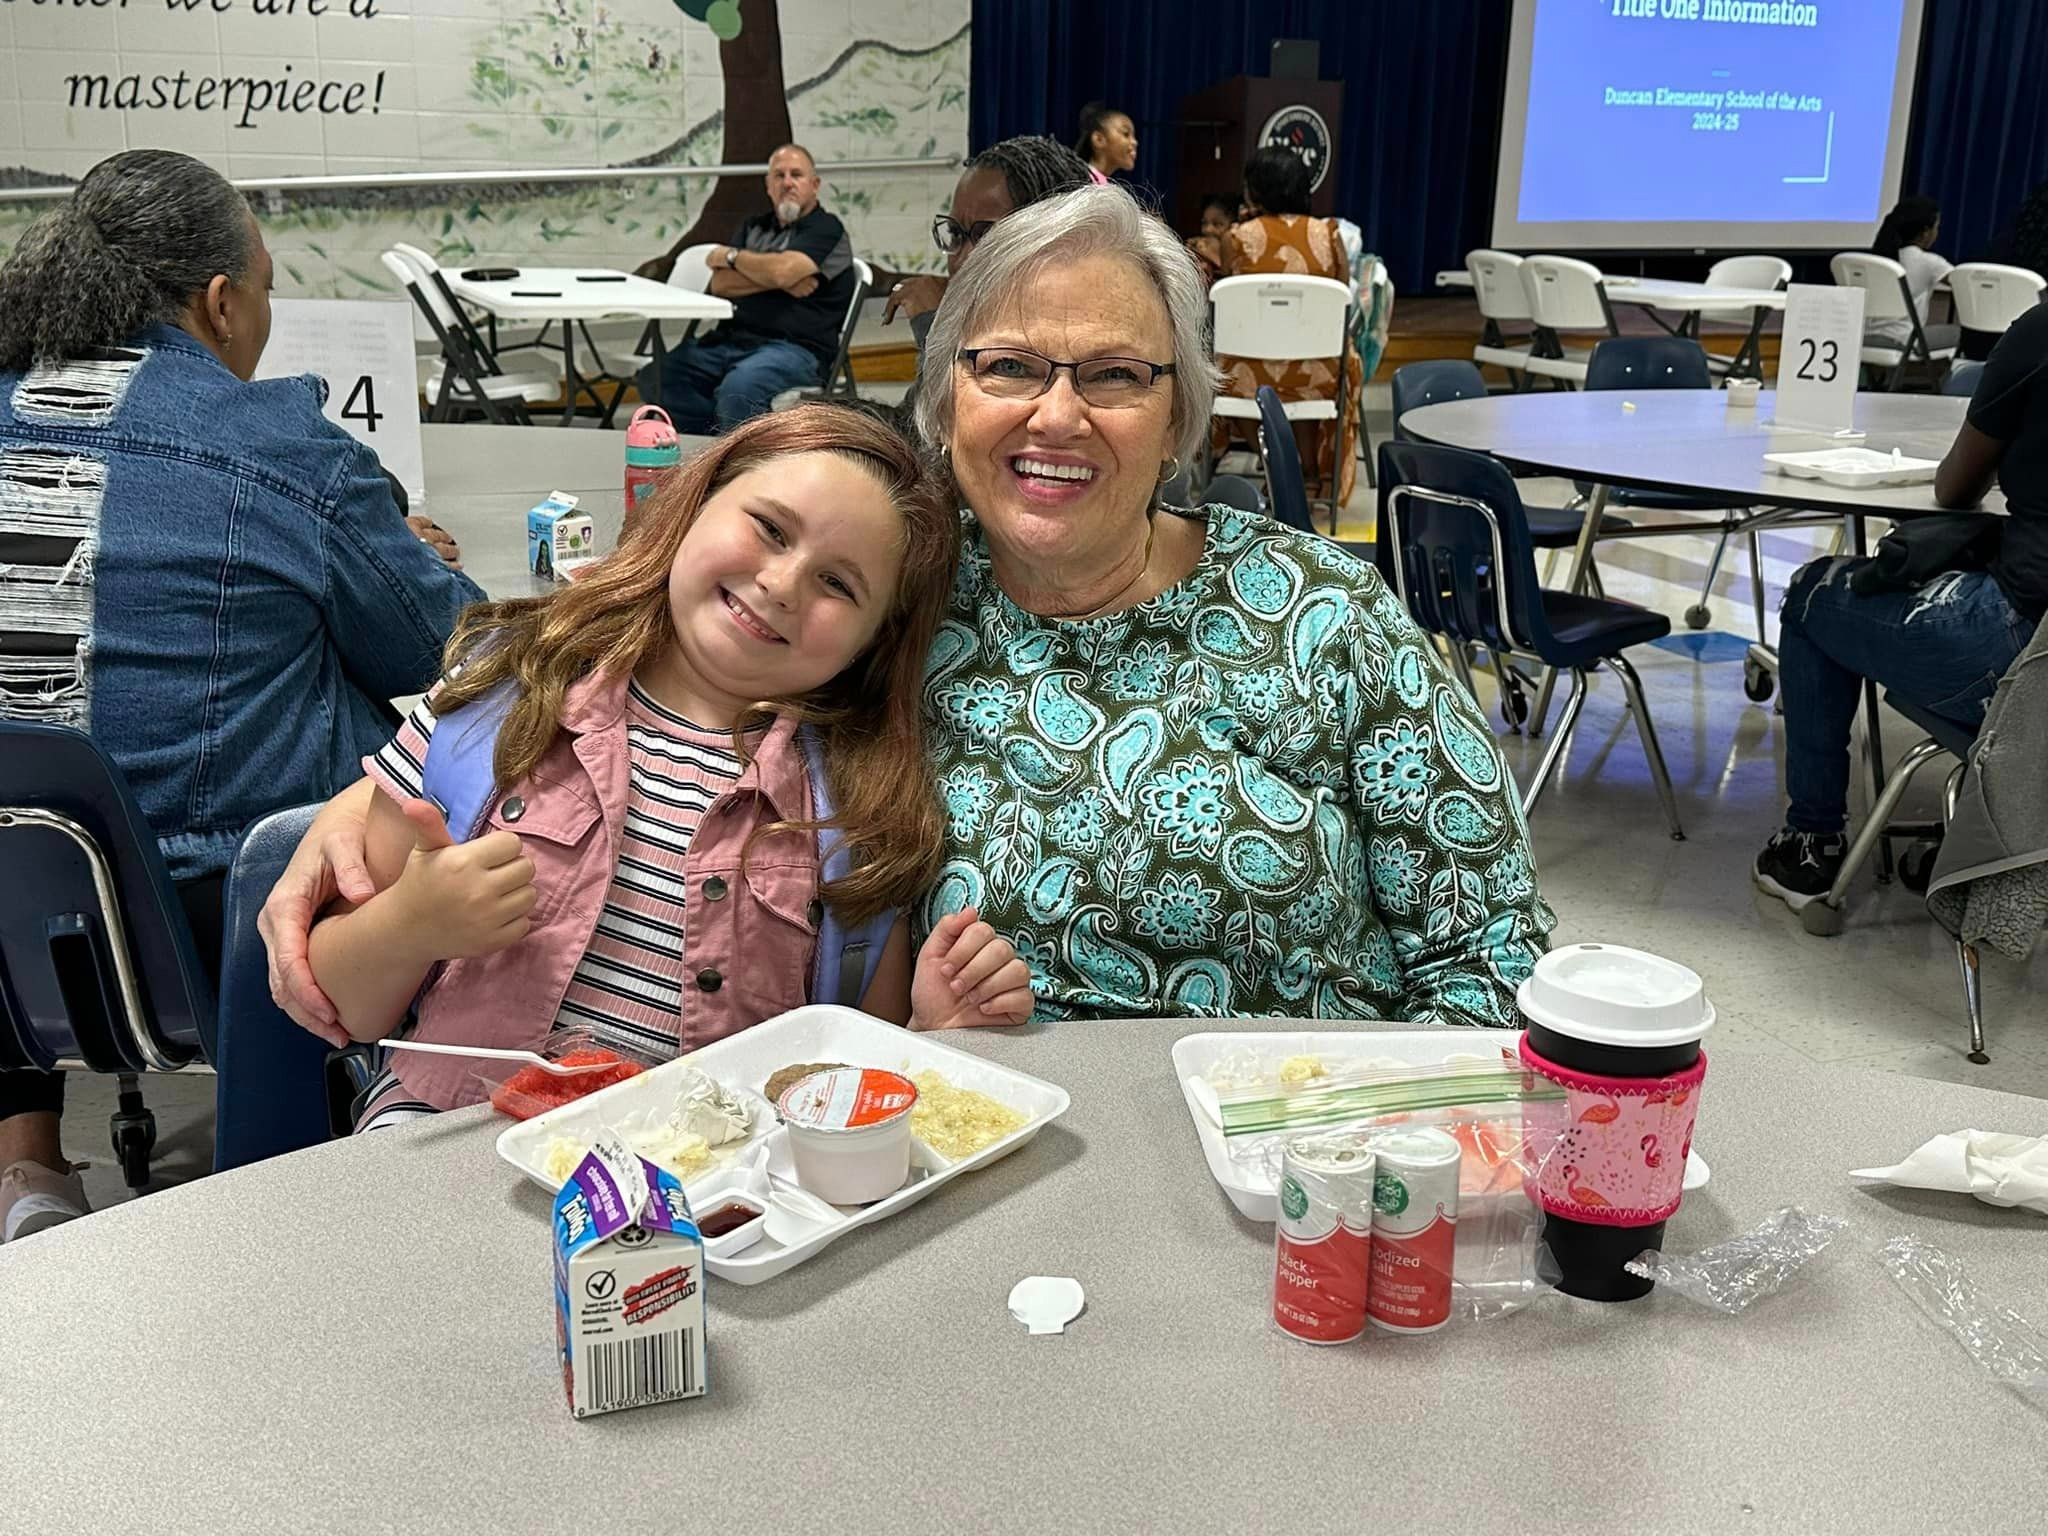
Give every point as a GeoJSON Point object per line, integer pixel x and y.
{"type": "Point", "coordinates": [1942, 645]}
{"type": "Point", "coordinates": [789, 273]}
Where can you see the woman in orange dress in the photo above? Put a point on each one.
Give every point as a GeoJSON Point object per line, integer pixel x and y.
{"type": "Point", "coordinates": [1277, 235]}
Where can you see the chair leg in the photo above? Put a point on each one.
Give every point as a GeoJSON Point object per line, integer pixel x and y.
{"type": "Point", "coordinates": [1880, 814]}
{"type": "Point", "coordinates": [1622, 668]}
{"type": "Point", "coordinates": [1462, 665]}
{"type": "Point", "coordinates": [1973, 1000]}
{"type": "Point", "coordinates": [1500, 681]}
{"type": "Point", "coordinates": [1966, 953]}
{"type": "Point", "coordinates": [1553, 755]}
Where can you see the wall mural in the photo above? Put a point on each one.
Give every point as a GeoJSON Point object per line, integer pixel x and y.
{"type": "Point", "coordinates": [325, 87]}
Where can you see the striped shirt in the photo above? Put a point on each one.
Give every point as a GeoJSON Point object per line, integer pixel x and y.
{"type": "Point", "coordinates": [627, 988]}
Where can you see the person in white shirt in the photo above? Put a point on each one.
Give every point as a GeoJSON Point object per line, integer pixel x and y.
{"type": "Point", "coordinates": [1907, 236]}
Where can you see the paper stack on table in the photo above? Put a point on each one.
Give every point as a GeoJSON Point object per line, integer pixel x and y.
{"type": "Point", "coordinates": [1997, 1167]}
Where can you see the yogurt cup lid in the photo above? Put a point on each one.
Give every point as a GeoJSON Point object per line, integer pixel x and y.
{"type": "Point", "coordinates": [1608, 994]}
{"type": "Point", "coordinates": [846, 1099]}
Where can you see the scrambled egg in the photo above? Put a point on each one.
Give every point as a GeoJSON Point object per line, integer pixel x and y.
{"type": "Point", "coordinates": [957, 1122]}
{"type": "Point", "coordinates": [1297, 1071]}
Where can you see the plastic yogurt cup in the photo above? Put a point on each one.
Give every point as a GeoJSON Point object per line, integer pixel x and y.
{"type": "Point", "coordinates": [849, 1132]}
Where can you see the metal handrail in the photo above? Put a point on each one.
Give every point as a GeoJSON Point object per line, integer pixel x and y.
{"type": "Point", "coordinates": [288, 184]}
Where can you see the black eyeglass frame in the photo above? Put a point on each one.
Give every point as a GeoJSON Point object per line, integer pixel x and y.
{"type": "Point", "coordinates": [1160, 371]}
{"type": "Point", "coordinates": [950, 235]}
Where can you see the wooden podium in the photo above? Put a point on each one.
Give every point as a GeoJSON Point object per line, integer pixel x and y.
{"type": "Point", "coordinates": [1221, 127]}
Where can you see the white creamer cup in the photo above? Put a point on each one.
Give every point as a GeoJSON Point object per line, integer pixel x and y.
{"type": "Point", "coordinates": [849, 1132]}
{"type": "Point", "coordinates": [1742, 394]}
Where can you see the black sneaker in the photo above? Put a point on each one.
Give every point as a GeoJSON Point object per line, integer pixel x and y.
{"type": "Point", "coordinates": [1800, 867]}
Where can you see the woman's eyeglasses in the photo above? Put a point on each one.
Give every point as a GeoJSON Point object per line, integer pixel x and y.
{"type": "Point", "coordinates": [1011, 373]}
{"type": "Point", "coordinates": [951, 235]}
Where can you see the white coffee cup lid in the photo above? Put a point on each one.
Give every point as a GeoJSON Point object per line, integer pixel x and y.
{"type": "Point", "coordinates": [1607, 994]}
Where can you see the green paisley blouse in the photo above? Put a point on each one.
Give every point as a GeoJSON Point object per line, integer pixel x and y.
{"type": "Point", "coordinates": [1256, 793]}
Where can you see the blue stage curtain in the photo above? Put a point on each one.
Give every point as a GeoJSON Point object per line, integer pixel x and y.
{"type": "Point", "coordinates": [1979, 142]}
{"type": "Point", "coordinates": [1422, 85]}
{"type": "Point", "coordinates": [1423, 81]}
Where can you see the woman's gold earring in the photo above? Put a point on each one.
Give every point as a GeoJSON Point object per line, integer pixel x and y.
{"type": "Point", "coordinates": [1168, 470]}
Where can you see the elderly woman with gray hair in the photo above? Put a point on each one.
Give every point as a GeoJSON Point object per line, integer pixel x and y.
{"type": "Point", "coordinates": [1191, 763]}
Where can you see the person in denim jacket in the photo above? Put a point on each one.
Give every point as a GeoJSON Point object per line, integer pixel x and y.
{"type": "Point", "coordinates": [199, 570]}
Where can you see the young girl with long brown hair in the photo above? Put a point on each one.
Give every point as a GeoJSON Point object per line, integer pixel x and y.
{"type": "Point", "coordinates": [649, 864]}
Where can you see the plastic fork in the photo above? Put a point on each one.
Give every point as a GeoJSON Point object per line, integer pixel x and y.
{"type": "Point", "coordinates": [530, 1058]}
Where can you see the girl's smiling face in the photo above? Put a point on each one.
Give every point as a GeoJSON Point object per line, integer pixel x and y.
{"type": "Point", "coordinates": [778, 586]}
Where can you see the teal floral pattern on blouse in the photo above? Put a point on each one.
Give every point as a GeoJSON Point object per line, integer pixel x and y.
{"type": "Point", "coordinates": [1257, 793]}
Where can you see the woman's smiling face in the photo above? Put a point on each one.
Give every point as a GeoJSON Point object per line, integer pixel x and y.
{"type": "Point", "coordinates": [1054, 481]}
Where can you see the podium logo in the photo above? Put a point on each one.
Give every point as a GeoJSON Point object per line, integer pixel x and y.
{"type": "Point", "coordinates": [1302, 130]}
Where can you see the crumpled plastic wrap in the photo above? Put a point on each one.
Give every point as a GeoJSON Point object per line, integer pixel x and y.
{"type": "Point", "coordinates": [1734, 1276]}
{"type": "Point", "coordinates": [2012, 1349]}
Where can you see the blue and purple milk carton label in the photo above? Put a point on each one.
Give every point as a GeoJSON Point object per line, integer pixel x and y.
{"type": "Point", "coordinates": [629, 1285]}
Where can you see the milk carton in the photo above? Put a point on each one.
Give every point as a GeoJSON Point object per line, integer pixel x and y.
{"type": "Point", "coordinates": [629, 1285]}
{"type": "Point", "coordinates": [559, 540]}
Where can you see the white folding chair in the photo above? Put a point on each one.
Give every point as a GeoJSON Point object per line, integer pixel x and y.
{"type": "Point", "coordinates": [1505, 339]}
{"type": "Point", "coordinates": [1380, 281]}
{"type": "Point", "coordinates": [691, 272]}
{"type": "Point", "coordinates": [1887, 296]}
{"type": "Point", "coordinates": [1989, 297]}
{"type": "Point", "coordinates": [839, 382]}
{"type": "Point", "coordinates": [1766, 272]}
{"type": "Point", "coordinates": [1276, 318]}
{"type": "Point", "coordinates": [467, 375]}
{"type": "Point", "coordinates": [1566, 298]}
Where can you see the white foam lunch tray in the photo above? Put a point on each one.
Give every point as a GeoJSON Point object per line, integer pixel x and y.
{"type": "Point", "coordinates": [1252, 1189]}
{"type": "Point", "coordinates": [821, 1032]}
{"type": "Point", "coordinates": [1857, 469]}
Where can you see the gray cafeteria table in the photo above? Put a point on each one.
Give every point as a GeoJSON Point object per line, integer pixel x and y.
{"type": "Point", "coordinates": [1692, 441]}
{"type": "Point", "coordinates": [482, 480]}
{"type": "Point", "coordinates": [360, 1337]}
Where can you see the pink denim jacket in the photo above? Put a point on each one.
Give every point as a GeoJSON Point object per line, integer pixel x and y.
{"type": "Point", "coordinates": [569, 814]}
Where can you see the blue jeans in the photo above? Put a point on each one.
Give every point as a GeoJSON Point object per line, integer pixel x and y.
{"type": "Point", "coordinates": [711, 385]}
{"type": "Point", "coordinates": [1943, 647]}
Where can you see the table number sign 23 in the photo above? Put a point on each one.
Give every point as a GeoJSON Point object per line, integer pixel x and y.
{"type": "Point", "coordinates": [1820, 358]}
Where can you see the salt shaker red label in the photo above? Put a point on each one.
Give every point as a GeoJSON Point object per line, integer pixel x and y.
{"type": "Point", "coordinates": [652, 449]}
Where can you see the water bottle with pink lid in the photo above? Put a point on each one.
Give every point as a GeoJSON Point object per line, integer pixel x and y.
{"type": "Point", "coordinates": [652, 449]}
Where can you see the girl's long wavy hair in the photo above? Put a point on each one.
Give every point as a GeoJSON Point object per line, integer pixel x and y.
{"type": "Point", "coordinates": [615, 617]}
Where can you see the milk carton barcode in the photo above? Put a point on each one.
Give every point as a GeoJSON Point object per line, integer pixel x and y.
{"type": "Point", "coordinates": [629, 1285]}
{"type": "Point", "coordinates": [649, 1370]}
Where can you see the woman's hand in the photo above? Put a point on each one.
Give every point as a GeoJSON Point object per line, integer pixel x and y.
{"type": "Point", "coordinates": [438, 539]}
{"type": "Point", "coordinates": [914, 296]}
{"type": "Point", "coordinates": [968, 975]}
{"type": "Point", "coordinates": [327, 863]}
{"type": "Point", "coordinates": [462, 900]}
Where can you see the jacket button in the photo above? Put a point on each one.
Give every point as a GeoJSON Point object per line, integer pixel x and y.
{"type": "Point", "coordinates": [513, 808]}
{"type": "Point", "coordinates": [816, 913]}
{"type": "Point", "coordinates": [714, 889]}
{"type": "Point", "coordinates": [708, 980]}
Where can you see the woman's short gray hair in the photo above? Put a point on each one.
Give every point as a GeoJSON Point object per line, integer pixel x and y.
{"type": "Point", "coordinates": [1090, 221]}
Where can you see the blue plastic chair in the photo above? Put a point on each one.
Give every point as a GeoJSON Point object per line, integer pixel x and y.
{"type": "Point", "coordinates": [1282, 456]}
{"type": "Point", "coordinates": [1962, 379]}
{"type": "Point", "coordinates": [272, 1095]}
{"type": "Point", "coordinates": [1454, 545]}
{"type": "Point", "coordinates": [97, 966]}
{"type": "Point", "coordinates": [1638, 363]}
{"type": "Point", "coordinates": [1433, 383]}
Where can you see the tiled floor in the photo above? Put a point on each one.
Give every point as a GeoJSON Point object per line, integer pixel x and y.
{"type": "Point", "coordinates": [1883, 996]}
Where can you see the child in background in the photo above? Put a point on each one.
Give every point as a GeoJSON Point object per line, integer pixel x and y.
{"type": "Point", "coordinates": [1207, 247]}
{"type": "Point", "coordinates": [649, 866]}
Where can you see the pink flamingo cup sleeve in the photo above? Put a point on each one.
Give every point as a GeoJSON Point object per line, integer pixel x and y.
{"type": "Point", "coordinates": [1617, 1144]}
